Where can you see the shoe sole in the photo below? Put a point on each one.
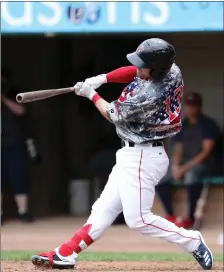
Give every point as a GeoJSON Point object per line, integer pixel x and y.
{"type": "Point", "coordinates": [39, 261]}
{"type": "Point", "coordinates": [203, 241]}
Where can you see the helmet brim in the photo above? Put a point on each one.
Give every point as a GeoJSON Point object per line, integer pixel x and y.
{"type": "Point", "coordinates": [134, 59]}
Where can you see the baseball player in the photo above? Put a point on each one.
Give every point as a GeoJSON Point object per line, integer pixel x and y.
{"type": "Point", "coordinates": [146, 113]}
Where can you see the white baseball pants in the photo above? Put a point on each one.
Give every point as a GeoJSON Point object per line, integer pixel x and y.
{"type": "Point", "coordinates": [131, 189]}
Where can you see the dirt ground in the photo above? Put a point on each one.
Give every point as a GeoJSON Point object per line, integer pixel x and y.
{"type": "Point", "coordinates": [48, 233]}
{"type": "Point", "coordinates": [117, 266]}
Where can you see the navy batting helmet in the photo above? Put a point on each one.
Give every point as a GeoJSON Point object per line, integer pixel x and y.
{"type": "Point", "coordinates": [155, 54]}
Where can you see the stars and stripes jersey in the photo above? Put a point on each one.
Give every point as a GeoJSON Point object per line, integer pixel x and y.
{"type": "Point", "coordinates": [149, 110]}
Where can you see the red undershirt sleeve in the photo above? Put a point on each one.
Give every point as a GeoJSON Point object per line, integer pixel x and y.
{"type": "Point", "coordinates": [122, 75]}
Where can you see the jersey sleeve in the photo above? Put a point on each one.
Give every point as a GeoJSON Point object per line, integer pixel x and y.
{"type": "Point", "coordinates": [134, 109]}
{"type": "Point", "coordinates": [122, 112]}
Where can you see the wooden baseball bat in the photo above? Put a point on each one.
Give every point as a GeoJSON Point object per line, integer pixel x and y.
{"type": "Point", "coordinates": [42, 94]}
{"type": "Point", "coordinates": [200, 208]}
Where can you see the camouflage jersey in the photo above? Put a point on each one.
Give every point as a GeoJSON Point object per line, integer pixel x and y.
{"type": "Point", "coordinates": [149, 110]}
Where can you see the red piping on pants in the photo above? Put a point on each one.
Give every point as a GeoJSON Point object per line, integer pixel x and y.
{"type": "Point", "coordinates": [139, 178]}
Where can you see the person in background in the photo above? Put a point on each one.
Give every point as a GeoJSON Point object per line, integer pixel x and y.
{"type": "Point", "coordinates": [192, 157]}
{"type": "Point", "coordinates": [14, 160]}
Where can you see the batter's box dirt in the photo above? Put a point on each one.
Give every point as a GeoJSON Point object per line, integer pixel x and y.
{"type": "Point", "coordinates": [7, 266]}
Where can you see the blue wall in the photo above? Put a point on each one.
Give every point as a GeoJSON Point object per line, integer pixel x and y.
{"type": "Point", "coordinates": [79, 17]}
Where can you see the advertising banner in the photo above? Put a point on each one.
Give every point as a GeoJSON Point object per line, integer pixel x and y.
{"type": "Point", "coordinates": [110, 17]}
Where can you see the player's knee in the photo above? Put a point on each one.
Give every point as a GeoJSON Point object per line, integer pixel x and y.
{"type": "Point", "coordinates": [138, 222]}
{"type": "Point", "coordinates": [134, 223]}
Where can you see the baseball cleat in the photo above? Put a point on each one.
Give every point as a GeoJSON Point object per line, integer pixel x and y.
{"type": "Point", "coordinates": [52, 260]}
{"type": "Point", "coordinates": [203, 254]}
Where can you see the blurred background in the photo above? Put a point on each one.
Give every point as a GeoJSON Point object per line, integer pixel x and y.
{"type": "Point", "coordinates": [57, 153]}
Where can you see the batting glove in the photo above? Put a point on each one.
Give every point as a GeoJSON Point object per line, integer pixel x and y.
{"type": "Point", "coordinates": [85, 90]}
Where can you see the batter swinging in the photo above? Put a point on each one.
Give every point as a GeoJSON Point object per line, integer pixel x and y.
{"type": "Point", "coordinates": [147, 112]}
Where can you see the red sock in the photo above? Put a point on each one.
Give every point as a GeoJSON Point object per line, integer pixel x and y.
{"type": "Point", "coordinates": [73, 245]}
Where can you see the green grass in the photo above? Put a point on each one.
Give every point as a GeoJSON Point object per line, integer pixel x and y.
{"type": "Point", "coordinates": [109, 256]}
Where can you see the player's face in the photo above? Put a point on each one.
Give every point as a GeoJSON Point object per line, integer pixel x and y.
{"type": "Point", "coordinates": [191, 111]}
{"type": "Point", "coordinates": [143, 73]}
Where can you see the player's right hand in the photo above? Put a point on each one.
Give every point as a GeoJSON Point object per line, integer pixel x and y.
{"type": "Point", "coordinates": [97, 81]}
{"type": "Point", "coordinates": [85, 90]}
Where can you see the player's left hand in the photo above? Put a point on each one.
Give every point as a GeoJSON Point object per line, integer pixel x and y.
{"type": "Point", "coordinates": [94, 82]}
{"type": "Point", "coordinates": [85, 90]}
{"type": "Point", "coordinates": [77, 86]}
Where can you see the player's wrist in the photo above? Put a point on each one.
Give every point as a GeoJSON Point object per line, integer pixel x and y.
{"type": "Point", "coordinates": [94, 97]}
{"type": "Point", "coordinates": [91, 94]}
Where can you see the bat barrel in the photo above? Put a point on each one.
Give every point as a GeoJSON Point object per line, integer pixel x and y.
{"type": "Point", "coordinates": [19, 98]}
{"type": "Point", "coordinates": [41, 94]}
